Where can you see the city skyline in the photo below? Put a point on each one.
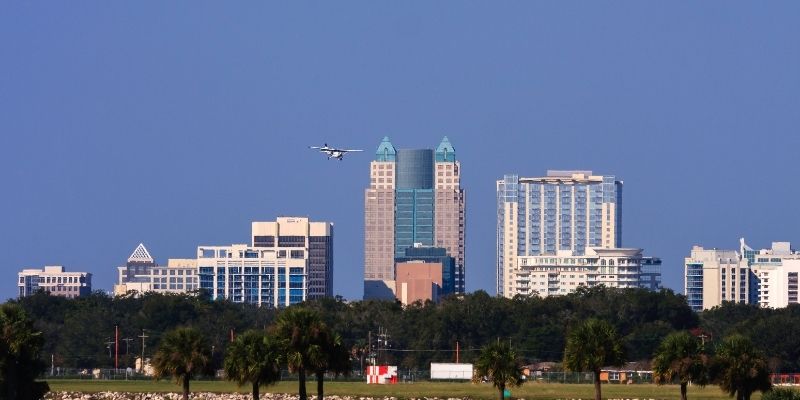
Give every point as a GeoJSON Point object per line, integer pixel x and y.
{"type": "Point", "coordinates": [119, 128]}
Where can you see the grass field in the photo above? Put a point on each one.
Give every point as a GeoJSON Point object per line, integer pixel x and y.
{"type": "Point", "coordinates": [408, 390]}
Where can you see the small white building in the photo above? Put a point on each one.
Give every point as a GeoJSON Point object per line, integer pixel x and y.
{"type": "Point", "coordinates": [55, 280]}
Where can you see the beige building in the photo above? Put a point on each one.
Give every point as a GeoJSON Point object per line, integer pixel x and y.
{"type": "Point", "coordinates": [178, 276]}
{"type": "Point", "coordinates": [713, 276]}
{"type": "Point", "coordinates": [55, 280]}
{"type": "Point", "coordinates": [563, 273]}
{"type": "Point", "coordinates": [415, 196]}
{"type": "Point", "coordinates": [142, 274]}
{"type": "Point", "coordinates": [775, 274]}
{"type": "Point", "coordinates": [418, 281]}
{"type": "Point", "coordinates": [288, 261]}
{"type": "Point", "coordinates": [562, 211]}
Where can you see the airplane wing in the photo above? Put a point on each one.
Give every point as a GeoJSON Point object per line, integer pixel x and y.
{"type": "Point", "coordinates": [349, 150]}
{"type": "Point", "coordinates": [314, 147]}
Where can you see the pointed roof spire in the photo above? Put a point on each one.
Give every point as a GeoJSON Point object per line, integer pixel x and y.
{"type": "Point", "coordinates": [141, 255]}
{"type": "Point", "coordinates": [386, 151]}
{"type": "Point", "coordinates": [445, 151]}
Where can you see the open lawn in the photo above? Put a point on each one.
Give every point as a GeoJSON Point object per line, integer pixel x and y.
{"type": "Point", "coordinates": [407, 390]}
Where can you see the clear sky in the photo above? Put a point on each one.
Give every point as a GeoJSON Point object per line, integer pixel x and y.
{"type": "Point", "coordinates": [175, 123]}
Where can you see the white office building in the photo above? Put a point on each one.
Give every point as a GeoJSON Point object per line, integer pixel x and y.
{"type": "Point", "coordinates": [775, 274]}
{"type": "Point", "coordinates": [288, 261]}
{"type": "Point", "coordinates": [142, 274]}
{"type": "Point", "coordinates": [55, 280]}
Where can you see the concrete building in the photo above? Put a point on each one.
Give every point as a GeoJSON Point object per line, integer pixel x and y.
{"type": "Point", "coordinates": [775, 274]}
{"type": "Point", "coordinates": [418, 281]}
{"type": "Point", "coordinates": [415, 196]}
{"type": "Point", "coordinates": [142, 274]}
{"type": "Point", "coordinates": [55, 280]}
{"type": "Point", "coordinates": [767, 277]}
{"type": "Point", "coordinates": [713, 276]}
{"type": "Point", "coordinates": [436, 255]}
{"type": "Point", "coordinates": [289, 261]}
{"type": "Point", "coordinates": [562, 211]}
{"type": "Point", "coordinates": [564, 272]}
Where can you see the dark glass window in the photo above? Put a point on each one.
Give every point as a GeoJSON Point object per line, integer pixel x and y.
{"type": "Point", "coordinates": [291, 241]}
{"type": "Point", "coordinates": [264, 241]}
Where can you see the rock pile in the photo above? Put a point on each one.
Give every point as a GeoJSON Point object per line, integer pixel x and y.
{"type": "Point", "coordinates": [194, 396]}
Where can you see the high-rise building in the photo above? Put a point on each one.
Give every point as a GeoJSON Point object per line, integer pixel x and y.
{"type": "Point", "coordinates": [767, 277]}
{"type": "Point", "coordinates": [563, 211]}
{"type": "Point", "coordinates": [55, 280]}
{"type": "Point", "coordinates": [415, 196]}
{"type": "Point", "coordinates": [142, 274]}
{"type": "Point", "coordinates": [289, 261]}
{"type": "Point", "coordinates": [775, 274]}
{"type": "Point", "coordinates": [713, 276]}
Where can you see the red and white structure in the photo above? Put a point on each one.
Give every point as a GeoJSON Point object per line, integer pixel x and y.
{"type": "Point", "coordinates": [382, 374]}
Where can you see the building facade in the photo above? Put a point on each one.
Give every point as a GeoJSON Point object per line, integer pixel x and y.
{"type": "Point", "coordinates": [288, 261]}
{"type": "Point", "coordinates": [433, 255]}
{"type": "Point", "coordinates": [767, 277]}
{"type": "Point", "coordinates": [562, 211]}
{"type": "Point", "coordinates": [418, 281]}
{"type": "Point", "coordinates": [775, 274]}
{"type": "Point", "coordinates": [55, 280]}
{"type": "Point", "coordinates": [142, 274]}
{"type": "Point", "coordinates": [565, 272]}
{"type": "Point", "coordinates": [415, 196]}
{"type": "Point", "coordinates": [713, 276]}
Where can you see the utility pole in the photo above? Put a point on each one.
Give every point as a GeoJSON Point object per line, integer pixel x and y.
{"type": "Point", "coordinates": [109, 342]}
{"type": "Point", "coordinates": [127, 352]}
{"type": "Point", "coordinates": [383, 343]}
{"type": "Point", "coordinates": [457, 349]}
{"type": "Point", "coordinates": [370, 354]}
{"type": "Point", "coordinates": [116, 346]}
{"type": "Point", "coordinates": [52, 365]}
{"type": "Point", "coordinates": [143, 336]}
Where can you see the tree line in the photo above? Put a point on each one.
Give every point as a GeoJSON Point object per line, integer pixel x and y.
{"type": "Point", "coordinates": [190, 336]}
{"type": "Point", "coordinates": [76, 332]}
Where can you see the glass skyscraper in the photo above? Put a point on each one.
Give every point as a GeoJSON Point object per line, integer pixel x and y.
{"type": "Point", "coordinates": [563, 211]}
{"type": "Point", "coordinates": [415, 197]}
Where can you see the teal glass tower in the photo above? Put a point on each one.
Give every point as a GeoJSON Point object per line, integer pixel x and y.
{"type": "Point", "coordinates": [415, 197]}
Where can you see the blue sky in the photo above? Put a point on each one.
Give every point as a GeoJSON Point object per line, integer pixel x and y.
{"type": "Point", "coordinates": [176, 124]}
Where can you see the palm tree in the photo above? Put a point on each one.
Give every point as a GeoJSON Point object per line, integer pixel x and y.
{"type": "Point", "coordinates": [253, 357]}
{"type": "Point", "coordinates": [299, 330]}
{"type": "Point", "coordinates": [739, 368]}
{"type": "Point", "coordinates": [680, 356]}
{"type": "Point", "coordinates": [20, 355]}
{"type": "Point", "coordinates": [183, 354]}
{"type": "Point", "coordinates": [499, 362]}
{"type": "Point", "coordinates": [329, 355]}
{"type": "Point", "coordinates": [591, 346]}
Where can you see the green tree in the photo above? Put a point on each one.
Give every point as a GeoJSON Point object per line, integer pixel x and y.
{"type": "Point", "coordinates": [500, 364]}
{"type": "Point", "coordinates": [253, 357]}
{"type": "Point", "coordinates": [20, 363]}
{"type": "Point", "coordinates": [591, 346]}
{"type": "Point", "coordinates": [680, 356]}
{"type": "Point", "coordinates": [299, 330]}
{"type": "Point", "coordinates": [329, 355]}
{"type": "Point", "coordinates": [739, 368]}
{"type": "Point", "coordinates": [182, 354]}
{"type": "Point", "coordinates": [781, 394]}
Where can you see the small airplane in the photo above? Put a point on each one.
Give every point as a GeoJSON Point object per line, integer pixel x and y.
{"type": "Point", "coordinates": [333, 152]}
